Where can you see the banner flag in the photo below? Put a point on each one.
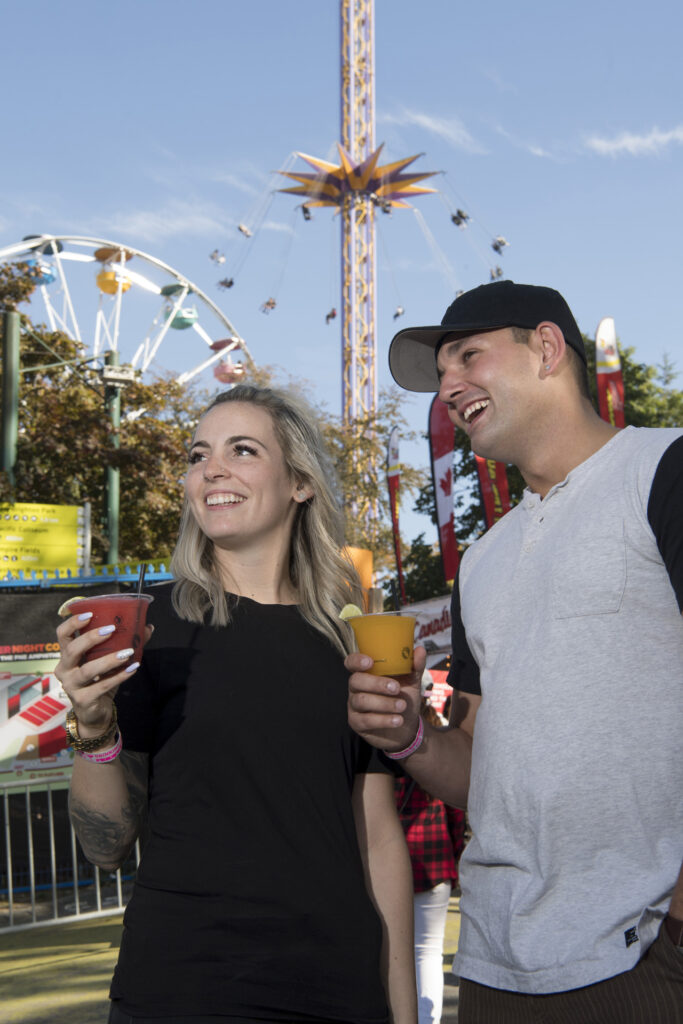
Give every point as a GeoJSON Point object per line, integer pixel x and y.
{"type": "Point", "coordinates": [441, 445]}
{"type": "Point", "coordinates": [393, 479]}
{"type": "Point", "coordinates": [493, 485]}
{"type": "Point", "coordinates": [609, 378]}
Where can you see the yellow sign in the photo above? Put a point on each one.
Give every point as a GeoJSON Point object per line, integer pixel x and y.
{"type": "Point", "coordinates": [34, 536]}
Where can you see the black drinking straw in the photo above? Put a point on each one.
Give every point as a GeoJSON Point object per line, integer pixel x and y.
{"type": "Point", "coordinates": [141, 577]}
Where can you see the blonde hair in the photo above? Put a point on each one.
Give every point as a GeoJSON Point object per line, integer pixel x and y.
{"type": "Point", "coordinates": [324, 579]}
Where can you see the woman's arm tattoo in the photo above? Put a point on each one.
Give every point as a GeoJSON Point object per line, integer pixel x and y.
{"type": "Point", "coordinates": [106, 839]}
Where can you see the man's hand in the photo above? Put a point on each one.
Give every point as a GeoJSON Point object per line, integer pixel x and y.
{"type": "Point", "coordinates": [383, 710]}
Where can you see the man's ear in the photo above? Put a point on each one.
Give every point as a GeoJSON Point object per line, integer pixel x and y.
{"type": "Point", "coordinates": [548, 342]}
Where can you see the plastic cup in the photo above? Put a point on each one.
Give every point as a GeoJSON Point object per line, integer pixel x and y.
{"type": "Point", "coordinates": [128, 612]}
{"type": "Point", "coordinates": [387, 638]}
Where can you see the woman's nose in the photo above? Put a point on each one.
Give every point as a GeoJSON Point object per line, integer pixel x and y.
{"type": "Point", "coordinates": [214, 467]}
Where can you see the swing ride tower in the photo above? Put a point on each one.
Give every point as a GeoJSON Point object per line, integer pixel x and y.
{"type": "Point", "coordinates": [358, 187]}
{"type": "Point", "coordinates": [358, 259]}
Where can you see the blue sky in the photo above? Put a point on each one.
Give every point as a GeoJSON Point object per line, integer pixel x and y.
{"type": "Point", "coordinates": [158, 125]}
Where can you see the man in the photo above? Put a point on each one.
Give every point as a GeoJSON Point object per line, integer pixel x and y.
{"type": "Point", "coordinates": [567, 656]}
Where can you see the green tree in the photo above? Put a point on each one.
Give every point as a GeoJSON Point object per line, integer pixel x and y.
{"type": "Point", "coordinates": [65, 442]}
{"type": "Point", "coordinates": [423, 572]}
{"type": "Point", "coordinates": [353, 448]}
{"type": "Point", "coordinates": [65, 439]}
{"type": "Point", "coordinates": [358, 446]}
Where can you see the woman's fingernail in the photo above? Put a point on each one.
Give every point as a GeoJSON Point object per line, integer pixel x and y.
{"type": "Point", "coordinates": [122, 655]}
{"type": "Point", "coordinates": [84, 615]}
{"type": "Point", "coordinates": [392, 686]}
{"type": "Point", "coordinates": [106, 630]}
{"type": "Point", "coordinates": [131, 668]}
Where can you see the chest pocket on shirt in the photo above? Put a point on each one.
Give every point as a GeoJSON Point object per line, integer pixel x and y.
{"type": "Point", "coordinates": [589, 570]}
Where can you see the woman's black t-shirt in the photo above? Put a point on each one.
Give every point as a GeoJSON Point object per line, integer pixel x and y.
{"type": "Point", "coordinates": [250, 898]}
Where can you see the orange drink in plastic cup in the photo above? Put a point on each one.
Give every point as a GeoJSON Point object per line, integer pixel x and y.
{"type": "Point", "coordinates": [387, 638]}
{"type": "Point", "coordinates": [128, 612]}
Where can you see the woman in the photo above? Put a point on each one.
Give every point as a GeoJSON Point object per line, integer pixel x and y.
{"type": "Point", "coordinates": [435, 836]}
{"type": "Point", "coordinates": [274, 883]}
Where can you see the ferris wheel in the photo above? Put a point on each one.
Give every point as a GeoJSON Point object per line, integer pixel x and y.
{"type": "Point", "coordinates": [140, 314]}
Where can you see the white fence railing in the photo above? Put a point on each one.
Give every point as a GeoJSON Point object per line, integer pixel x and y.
{"type": "Point", "coordinates": [44, 876]}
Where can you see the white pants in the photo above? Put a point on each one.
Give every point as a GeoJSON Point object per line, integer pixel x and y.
{"type": "Point", "coordinates": [431, 909]}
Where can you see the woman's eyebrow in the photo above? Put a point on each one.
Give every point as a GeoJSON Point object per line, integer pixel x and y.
{"type": "Point", "coordinates": [235, 439]}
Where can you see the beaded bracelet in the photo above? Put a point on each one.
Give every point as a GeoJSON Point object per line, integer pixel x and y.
{"type": "Point", "coordinates": [417, 742]}
{"type": "Point", "coordinates": [102, 756]}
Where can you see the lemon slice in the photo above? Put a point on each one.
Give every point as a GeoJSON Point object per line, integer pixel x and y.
{"type": "Point", "coordinates": [349, 611]}
{"type": "Point", "coordinates": [63, 610]}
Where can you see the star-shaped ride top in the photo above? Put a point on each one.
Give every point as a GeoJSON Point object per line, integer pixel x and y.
{"type": "Point", "coordinates": [385, 185]}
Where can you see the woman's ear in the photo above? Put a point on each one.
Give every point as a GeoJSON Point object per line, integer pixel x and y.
{"type": "Point", "coordinates": [302, 493]}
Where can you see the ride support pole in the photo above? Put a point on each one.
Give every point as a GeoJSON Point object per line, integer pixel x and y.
{"type": "Point", "coordinates": [112, 400]}
{"type": "Point", "coordinates": [10, 391]}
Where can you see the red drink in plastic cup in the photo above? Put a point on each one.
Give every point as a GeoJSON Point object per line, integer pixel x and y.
{"type": "Point", "coordinates": [128, 612]}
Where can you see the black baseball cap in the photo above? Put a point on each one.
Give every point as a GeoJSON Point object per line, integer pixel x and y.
{"type": "Point", "coordinates": [412, 353]}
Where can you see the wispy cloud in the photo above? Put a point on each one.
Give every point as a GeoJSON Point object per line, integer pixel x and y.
{"type": "Point", "coordinates": [544, 154]}
{"type": "Point", "coordinates": [239, 183]}
{"type": "Point", "coordinates": [451, 130]}
{"type": "Point", "coordinates": [277, 225]}
{"type": "Point", "coordinates": [653, 143]}
{"type": "Point", "coordinates": [176, 217]}
{"type": "Point", "coordinates": [179, 176]}
{"type": "Point", "coordinates": [528, 147]}
{"type": "Point", "coordinates": [495, 78]}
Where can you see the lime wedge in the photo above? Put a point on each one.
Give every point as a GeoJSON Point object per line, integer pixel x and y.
{"type": "Point", "coordinates": [349, 611]}
{"type": "Point", "coordinates": [64, 610]}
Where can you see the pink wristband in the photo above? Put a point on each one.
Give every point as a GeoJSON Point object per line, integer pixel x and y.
{"type": "Point", "coordinates": [102, 756]}
{"type": "Point", "coordinates": [400, 754]}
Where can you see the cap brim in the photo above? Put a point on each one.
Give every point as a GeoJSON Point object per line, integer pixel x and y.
{"type": "Point", "coordinates": [412, 354]}
{"type": "Point", "coordinates": [411, 357]}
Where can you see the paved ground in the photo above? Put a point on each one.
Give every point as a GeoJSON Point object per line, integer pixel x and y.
{"type": "Point", "coordinates": [59, 974]}
{"type": "Point", "coordinates": [450, 989]}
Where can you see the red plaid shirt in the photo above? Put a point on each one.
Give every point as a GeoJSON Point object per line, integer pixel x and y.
{"type": "Point", "coordinates": [434, 833]}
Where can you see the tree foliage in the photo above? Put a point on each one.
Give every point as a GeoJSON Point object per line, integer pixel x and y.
{"type": "Point", "coordinates": [66, 441]}
{"type": "Point", "coordinates": [423, 572]}
{"type": "Point", "coordinates": [354, 448]}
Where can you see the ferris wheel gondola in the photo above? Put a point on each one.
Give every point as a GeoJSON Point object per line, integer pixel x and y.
{"type": "Point", "coordinates": [115, 315]}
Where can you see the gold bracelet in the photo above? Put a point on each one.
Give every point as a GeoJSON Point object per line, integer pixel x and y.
{"type": "Point", "coordinates": [97, 742]}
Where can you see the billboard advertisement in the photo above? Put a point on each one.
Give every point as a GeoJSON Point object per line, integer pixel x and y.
{"type": "Point", "coordinates": [35, 536]}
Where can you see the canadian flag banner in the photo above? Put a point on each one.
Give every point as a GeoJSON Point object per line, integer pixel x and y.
{"type": "Point", "coordinates": [441, 443]}
{"type": "Point", "coordinates": [609, 378]}
{"type": "Point", "coordinates": [493, 484]}
{"type": "Point", "coordinates": [393, 479]}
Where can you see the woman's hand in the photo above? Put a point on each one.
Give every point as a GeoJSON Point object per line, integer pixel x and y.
{"type": "Point", "coordinates": [91, 685]}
